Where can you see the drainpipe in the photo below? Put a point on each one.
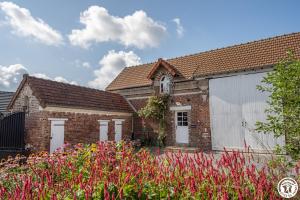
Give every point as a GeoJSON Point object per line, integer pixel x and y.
{"type": "Point", "coordinates": [134, 109]}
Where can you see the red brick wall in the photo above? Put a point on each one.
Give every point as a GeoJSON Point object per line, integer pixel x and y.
{"type": "Point", "coordinates": [79, 128]}
{"type": "Point", "coordinates": [199, 121]}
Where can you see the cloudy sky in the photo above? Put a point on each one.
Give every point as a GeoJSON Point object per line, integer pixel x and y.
{"type": "Point", "coordinates": [90, 42]}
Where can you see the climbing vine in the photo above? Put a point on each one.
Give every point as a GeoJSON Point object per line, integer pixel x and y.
{"type": "Point", "coordinates": [156, 108]}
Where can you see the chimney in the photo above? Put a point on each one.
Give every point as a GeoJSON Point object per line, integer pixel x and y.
{"type": "Point", "coordinates": [25, 75]}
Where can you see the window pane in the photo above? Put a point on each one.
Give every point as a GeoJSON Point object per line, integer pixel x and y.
{"type": "Point", "coordinates": [185, 114]}
{"type": "Point", "coordinates": [179, 123]}
{"type": "Point", "coordinates": [179, 113]}
{"type": "Point", "coordinates": [185, 123]}
{"type": "Point", "coordinates": [185, 119]}
{"type": "Point", "coordinates": [179, 118]}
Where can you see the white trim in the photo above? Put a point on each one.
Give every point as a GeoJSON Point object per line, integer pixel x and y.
{"type": "Point", "coordinates": [236, 73]}
{"type": "Point", "coordinates": [103, 120]}
{"type": "Point", "coordinates": [176, 94]}
{"type": "Point", "coordinates": [133, 108]}
{"type": "Point", "coordinates": [57, 119]}
{"type": "Point", "coordinates": [178, 108]}
{"type": "Point", "coordinates": [85, 111]}
{"type": "Point", "coordinates": [133, 98]}
{"type": "Point", "coordinates": [118, 120]}
{"type": "Point", "coordinates": [187, 93]}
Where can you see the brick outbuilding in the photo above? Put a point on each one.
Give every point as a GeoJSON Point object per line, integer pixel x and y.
{"type": "Point", "coordinates": [58, 113]}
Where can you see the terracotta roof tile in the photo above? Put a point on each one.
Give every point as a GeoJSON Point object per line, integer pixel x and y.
{"type": "Point", "coordinates": [246, 56]}
{"type": "Point", "coordinates": [52, 93]}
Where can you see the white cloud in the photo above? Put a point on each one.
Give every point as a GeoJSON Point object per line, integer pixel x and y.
{"type": "Point", "coordinates": [11, 75]}
{"type": "Point", "coordinates": [58, 78]}
{"type": "Point", "coordinates": [111, 65]}
{"type": "Point", "coordinates": [81, 64]}
{"type": "Point", "coordinates": [86, 65]}
{"type": "Point", "coordinates": [137, 29]}
{"type": "Point", "coordinates": [40, 75]}
{"type": "Point", "coordinates": [179, 27]}
{"type": "Point", "coordinates": [24, 24]}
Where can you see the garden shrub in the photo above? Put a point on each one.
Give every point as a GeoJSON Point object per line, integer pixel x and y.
{"type": "Point", "coordinates": [117, 171]}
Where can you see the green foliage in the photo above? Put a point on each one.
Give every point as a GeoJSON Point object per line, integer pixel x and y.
{"type": "Point", "coordinates": [117, 171]}
{"type": "Point", "coordinates": [156, 108]}
{"type": "Point", "coordinates": [283, 114]}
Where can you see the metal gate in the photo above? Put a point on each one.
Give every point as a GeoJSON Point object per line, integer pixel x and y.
{"type": "Point", "coordinates": [12, 133]}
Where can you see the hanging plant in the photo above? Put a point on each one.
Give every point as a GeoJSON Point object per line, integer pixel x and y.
{"type": "Point", "coordinates": [156, 108]}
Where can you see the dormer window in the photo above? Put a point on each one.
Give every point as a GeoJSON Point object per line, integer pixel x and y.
{"type": "Point", "coordinates": [165, 84]}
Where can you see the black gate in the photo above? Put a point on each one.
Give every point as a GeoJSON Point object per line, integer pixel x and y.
{"type": "Point", "coordinates": [12, 134]}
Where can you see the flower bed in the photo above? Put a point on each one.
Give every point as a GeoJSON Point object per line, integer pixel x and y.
{"type": "Point", "coordinates": [116, 171]}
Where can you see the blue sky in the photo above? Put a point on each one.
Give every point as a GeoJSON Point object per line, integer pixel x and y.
{"type": "Point", "coordinates": [47, 39]}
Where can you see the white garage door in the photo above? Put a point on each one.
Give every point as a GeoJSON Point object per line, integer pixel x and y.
{"type": "Point", "coordinates": [235, 106]}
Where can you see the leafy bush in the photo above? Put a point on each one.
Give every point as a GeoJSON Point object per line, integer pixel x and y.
{"type": "Point", "coordinates": [283, 113]}
{"type": "Point", "coordinates": [117, 171]}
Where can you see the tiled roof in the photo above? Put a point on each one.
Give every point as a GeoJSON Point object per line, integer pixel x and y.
{"type": "Point", "coordinates": [52, 93]}
{"type": "Point", "coordinates": [246, 56]}
{"type": "Point", "coordinates": [5, 98]}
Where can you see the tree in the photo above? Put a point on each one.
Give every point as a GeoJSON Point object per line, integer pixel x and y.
{"type": "Point", "coordinates": [283, 113]}
{"type": "Point", "coordinates": [156, 108]}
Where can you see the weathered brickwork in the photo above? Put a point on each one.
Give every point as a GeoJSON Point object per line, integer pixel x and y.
{"type": "Point", "coordinates": [199, 121]}
{"type": "Point", "coordinates": [79, 128]}
{"type": "Point", "coordinates": [20, 100]}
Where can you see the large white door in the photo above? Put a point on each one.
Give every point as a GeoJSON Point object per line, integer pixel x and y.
{"type": "Point", "coordinates": [57, 134]}
{"type": "Point", "coordinates": [118, 130]}
{"type": "Point", "coordinates": [103, 130]}
{"type": "Point", "coordinates": [254, 103]}
{"type": "Point", "coordinates": [235, 106]}
{"type": "Point", "coordinates": [182, 130]}
{"type": "Point", "coordinates": [225, 113]}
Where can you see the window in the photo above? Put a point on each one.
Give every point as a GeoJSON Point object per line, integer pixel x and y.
{"type": "Point", "coordinates": [182, 119]}
{"type": "Point", "coordinates": [165, 84]}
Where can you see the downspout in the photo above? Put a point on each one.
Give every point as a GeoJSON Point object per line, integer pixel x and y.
{"type": "Point", "coordinates": [134, 109]}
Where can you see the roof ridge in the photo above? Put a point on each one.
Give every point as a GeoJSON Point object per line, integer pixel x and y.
{"type": "Point", "coordinates": [69, 84]}
{"type": "Point", "coordinates": [218, 49]}
{"type": "Point", "coordinates": [236, 45]}
{"type": "Point", "coordinates": [228, 57]}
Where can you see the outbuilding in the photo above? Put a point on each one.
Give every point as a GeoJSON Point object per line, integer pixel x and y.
{"type": "Point", "coordinates": [58, 113]}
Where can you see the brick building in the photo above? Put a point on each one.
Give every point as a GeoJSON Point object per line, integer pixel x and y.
{"type": "Point", "coordinates": [58, 113]}
{"type": "Point", "coordinates": [214, 102]}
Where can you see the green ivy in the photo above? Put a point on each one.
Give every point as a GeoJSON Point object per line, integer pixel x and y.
{"type": "Point", "coordinates": [156, 108]}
